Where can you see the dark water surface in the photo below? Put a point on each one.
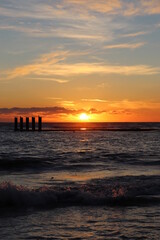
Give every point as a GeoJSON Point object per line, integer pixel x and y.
{"type": "Point", "coordinates": [85, 183]}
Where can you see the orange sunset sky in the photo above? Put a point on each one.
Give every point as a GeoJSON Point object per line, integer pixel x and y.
{"type": "Point", "coordinates": [64, 58]}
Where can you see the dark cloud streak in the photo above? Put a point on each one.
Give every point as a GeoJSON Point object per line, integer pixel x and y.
{"type": "Point", "coordinates": [46, 111]}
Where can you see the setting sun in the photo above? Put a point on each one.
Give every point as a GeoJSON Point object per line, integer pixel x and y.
{"type": "Point", "coordinates": [84, 117]}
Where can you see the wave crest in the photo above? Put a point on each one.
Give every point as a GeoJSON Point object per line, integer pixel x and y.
{"type": "Point", "coordinates": [19, 196]}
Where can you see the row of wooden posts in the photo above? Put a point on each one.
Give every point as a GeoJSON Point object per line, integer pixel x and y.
{"type": "Point", "coordinates": [27, 128]}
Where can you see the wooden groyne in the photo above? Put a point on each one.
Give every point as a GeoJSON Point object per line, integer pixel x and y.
{"type": "Point", "coordinates": [20, 126]}
{"type": "Point", "coordinates": [27, 126]}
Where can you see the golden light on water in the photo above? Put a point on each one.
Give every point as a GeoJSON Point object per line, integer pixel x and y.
{"type": "Point", "coordinates": [83, 129]}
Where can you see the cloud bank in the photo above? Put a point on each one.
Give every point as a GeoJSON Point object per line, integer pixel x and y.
{"type": "Point", "coordinates": [46, 111]}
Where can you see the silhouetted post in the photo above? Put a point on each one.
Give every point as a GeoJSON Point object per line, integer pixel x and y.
{"type": "Point", "coordinates": [27, 123]}
{"type": "Point", "coordinates": [33, 123]}
{"type": "Point", "coordinates": [15, 124]}
{"type": "Point", "coordinates": [39, 123]}
{"type": "Point", "coordinates": [21, 123]}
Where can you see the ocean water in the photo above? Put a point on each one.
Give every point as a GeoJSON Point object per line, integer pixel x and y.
{"type": "Point", "coordinates": [80, 181]}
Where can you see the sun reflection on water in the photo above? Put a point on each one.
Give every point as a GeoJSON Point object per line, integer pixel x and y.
{"type": "Point", "coordinates": [83, 129]}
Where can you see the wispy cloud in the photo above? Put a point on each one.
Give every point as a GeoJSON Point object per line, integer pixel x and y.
{"type": "Point", "coordinates": [98, 6]}
{"type": "Point", "coordinates": [125, 45]}
{"type": "Point", "coordinates": [141, 7]}
{"type": "Point", "coordinates": [54, 98]}
{"type": "Point", "coordinates": [151, 7]}
{"type": "Point", "coordinates": [80, 9]}
{"type": "Point", "coordinates": [56, 32]}
{"type": "Point", "coordinates": [135, 34]}
{"type": "Point", "coordinates": [137, 7]}
{"type": "Point", "coordinates": [132, 105]}
{"type": "Point", "coordinates": [42, 68]}
{"type": "Point", "coordinates": [54, 65]}
{"type": "Point", "coordinates": [94, 100]}
{"type": "Point", "coordinates": [32, 9]}
{"type": "Point", "coordinates": [67, 103]}
{"type": "Point", "coordinates": [48, 79]}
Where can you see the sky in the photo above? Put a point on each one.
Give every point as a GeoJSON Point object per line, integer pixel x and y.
{"type": "Point", "coordinates": [62, 58]}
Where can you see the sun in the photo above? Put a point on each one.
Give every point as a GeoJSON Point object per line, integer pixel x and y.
{"type": "Point", "coordinates": [84, 117]}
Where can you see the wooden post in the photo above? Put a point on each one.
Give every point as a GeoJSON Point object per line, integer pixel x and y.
{"type": "Point", "coordinates": [33, 123]}
{"type": "Point", "coordinates": [39, 123]}
{"type": "Point", "coordinates": [27, 123]}
{"type": "Point", "coordinates": [21, 123]}
{"type": "Point", "coordinates": [15, 124]}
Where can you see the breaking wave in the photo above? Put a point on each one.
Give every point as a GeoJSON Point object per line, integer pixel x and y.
{"type": "Point", "coordinates": [94, 193]}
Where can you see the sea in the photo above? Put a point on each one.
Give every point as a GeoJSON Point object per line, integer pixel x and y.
{"type": "Point", "coordinates": [80, 181]}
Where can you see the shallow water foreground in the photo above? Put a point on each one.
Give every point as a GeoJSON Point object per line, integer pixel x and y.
{"type": "Point", "coordinates": [82, 223]}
